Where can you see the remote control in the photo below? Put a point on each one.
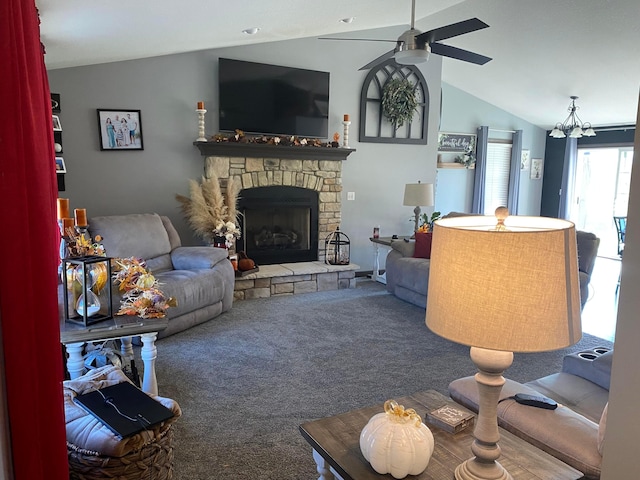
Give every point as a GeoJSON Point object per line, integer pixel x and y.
{"type": "Point", "coordinates": [535, 401]}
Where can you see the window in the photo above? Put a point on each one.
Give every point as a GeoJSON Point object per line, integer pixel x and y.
{"type": "Point", "coordinates": [497, 178]}
{"type": "Point", "coordinates": [601, 191]}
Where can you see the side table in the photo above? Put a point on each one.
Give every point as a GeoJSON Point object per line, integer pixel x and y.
{"type": "Point", "coordinates": [385, 243]}
{"type": "Point", "coordinates": [74, 337]}
{"type": "Point", "coordinates": [336, 447]}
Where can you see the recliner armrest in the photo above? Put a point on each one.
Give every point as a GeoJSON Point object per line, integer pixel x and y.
{"type": "Point", "coordinates": [195, 258]}
{"type": "Point", "coordinates": [563, 433]}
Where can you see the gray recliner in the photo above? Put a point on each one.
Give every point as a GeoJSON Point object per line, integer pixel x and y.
{"type": "Point", "coordinates": [201, 279]}
{"type": "Point", "coordinates": [588, 245]}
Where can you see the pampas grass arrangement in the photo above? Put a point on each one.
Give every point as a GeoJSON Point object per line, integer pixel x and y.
{"type": "Point", "coordinates": [207, 207]}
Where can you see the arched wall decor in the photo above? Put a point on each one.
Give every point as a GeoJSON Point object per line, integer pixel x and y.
{"type": "Point", "coordinates": [374, 126]}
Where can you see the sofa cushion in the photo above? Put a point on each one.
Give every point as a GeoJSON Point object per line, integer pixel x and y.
{"type": "Point", "coordinates": [136, 235]}
{"type": "Point", "coordinates": [423, 245]}
{"type": "Point", "coordinates": [577, 393]}
{"type": "Point", "coordinates": [406, 249]}
{"type": "Point", "coordinates": [174, 238]}
{"type": "Point", "coordinates": [193, 289]}
{"type": "Point", "coordinates": [194, 258]}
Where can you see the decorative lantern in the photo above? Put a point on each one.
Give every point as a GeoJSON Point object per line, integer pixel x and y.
{"type": "Point", "coordinates": [87, 289]}
{"type": "Point", "coordinates": [336, 248]}
{"type": "Point", "coordinates": [397, 442]}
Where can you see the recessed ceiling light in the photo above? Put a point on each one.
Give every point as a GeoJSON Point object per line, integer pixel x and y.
{"type": "Point", "coordinates": [347, 20]}
{"type": "Point", "coordinates": [251, 31]}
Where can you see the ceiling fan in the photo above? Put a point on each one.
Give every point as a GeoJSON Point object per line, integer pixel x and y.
{"type": "Point", "coordinates": [413, 46]}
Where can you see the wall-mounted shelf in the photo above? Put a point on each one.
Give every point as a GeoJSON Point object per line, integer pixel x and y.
{"type": "Point", "coordinates": [454, 165]}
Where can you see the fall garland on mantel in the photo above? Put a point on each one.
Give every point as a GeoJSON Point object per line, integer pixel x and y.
{"type": "Point", "coordinates": [281, 140]}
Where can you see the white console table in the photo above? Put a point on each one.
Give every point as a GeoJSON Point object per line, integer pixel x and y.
{"type": "Point", "coordinates": [385, 244]}
{"type": "Point", "coordinates": [74, 336]}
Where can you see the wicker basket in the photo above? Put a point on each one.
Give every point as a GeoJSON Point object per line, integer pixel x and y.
{"type": "Point", "coordinates": [153, 461]}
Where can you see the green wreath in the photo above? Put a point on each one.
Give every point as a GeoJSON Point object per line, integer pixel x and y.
{"type": "Point", "coordinates": [399, 101]}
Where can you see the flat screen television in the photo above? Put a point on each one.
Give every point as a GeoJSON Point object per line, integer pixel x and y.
{"type": "Point", "coordinates": [272, 100]}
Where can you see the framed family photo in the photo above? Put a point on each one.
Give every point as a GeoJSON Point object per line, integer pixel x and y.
{"type": "Point", "coordinates": [57, 126]}
{"type": "Point", "coordinates": [120, 129]}
{"type": "Point", "coordinates": [60, 166]}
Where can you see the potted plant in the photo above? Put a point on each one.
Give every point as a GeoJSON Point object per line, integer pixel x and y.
{"type": "Point", "coordinates": [426, 225]}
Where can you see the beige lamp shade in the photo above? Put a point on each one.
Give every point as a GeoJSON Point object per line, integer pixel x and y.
{"type": "Point", "coordinates": [418, 194]}
{"type": "Point", "coordinates": [515, 290]}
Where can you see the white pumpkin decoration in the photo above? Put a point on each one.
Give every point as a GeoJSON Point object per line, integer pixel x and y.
{"type": "Point", "coordinates": [397, 442]}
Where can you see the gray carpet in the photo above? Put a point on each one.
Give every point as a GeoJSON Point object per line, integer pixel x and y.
{"type": "Point", "coordinates": [248, 378]}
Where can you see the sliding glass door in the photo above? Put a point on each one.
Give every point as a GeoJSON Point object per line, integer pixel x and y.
{"type": "Point", "coordinates": [601, 192]}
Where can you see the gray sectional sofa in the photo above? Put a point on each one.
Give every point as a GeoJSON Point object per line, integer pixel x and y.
{"type": "Point", "coordinates": [574, 432]}
{"type": "Point", "coordinates": [201, 279]}
{"type": "Point", "coordinates": [408, 277]}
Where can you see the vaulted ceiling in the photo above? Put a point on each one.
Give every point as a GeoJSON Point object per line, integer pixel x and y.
{"type": "Point", "coordinates": [543, 50]}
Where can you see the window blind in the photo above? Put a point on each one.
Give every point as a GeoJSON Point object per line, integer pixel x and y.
{"type": "Point", "coordinates": [497, 177]}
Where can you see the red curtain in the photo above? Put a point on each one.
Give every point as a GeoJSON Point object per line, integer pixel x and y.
{"type": "Point", "coordinates": [29, 252]}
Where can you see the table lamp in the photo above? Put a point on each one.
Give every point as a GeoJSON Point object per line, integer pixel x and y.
{"type": "Point", "coordinates": [502, 285]}
{"type": "Point", "coordinates": [418, 195]}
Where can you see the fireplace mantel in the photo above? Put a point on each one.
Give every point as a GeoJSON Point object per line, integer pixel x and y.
{"type": "Point", "coordinates": [258, 150]}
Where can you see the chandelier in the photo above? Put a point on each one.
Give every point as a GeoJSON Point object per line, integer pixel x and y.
{"type": "Point", "coordinates": [572, 125]}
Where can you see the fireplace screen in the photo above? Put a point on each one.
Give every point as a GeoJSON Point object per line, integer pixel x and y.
{"type": "Point", "coordinates": [280, 224]}
{"type": "Point", "coordinates": [278, 228]}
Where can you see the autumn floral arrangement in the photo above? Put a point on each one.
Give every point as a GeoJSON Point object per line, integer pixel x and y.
{"type": "Point", "coordinates": [141, 293]}
{"type": "Point", "coordinates": [283, 140]}
{"type": "Point", "coordinates": [427, 222]}
{"type": "Point", "coordinates": [210, 213]}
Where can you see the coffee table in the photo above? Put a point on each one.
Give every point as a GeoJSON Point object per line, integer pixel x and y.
{"type": "Point", "coordinates": [336, 447]}
{"type": "Point", "coordinates": [74, 336]}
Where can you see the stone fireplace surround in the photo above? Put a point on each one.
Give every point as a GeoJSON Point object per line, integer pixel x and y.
{"type": "Point", "coordinates": [314, 168]}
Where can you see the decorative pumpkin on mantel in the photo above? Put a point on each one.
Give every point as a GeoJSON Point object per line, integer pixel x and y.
{"type": "Point", "coordinates": [397, 442]}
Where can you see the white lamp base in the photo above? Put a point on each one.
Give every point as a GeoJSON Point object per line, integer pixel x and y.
{"type": "Point", "coordinates": [484, 466]}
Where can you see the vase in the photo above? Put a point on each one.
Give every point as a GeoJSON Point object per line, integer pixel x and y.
{"type": "Point", "coordinates": [220, 242]}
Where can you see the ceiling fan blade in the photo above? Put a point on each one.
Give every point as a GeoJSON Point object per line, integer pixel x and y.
{"type": "Point", "coordinates": [378, 60]}
{"type": "Point", "coordinates": [458, 54]}
{"type": "Point", "coordinates": [453, 30]}
{"type": "Point", "coordinates": [359, 39]}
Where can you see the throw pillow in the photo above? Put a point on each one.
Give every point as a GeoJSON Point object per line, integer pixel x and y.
{"type": "Point", "coordinates": [423, 245]}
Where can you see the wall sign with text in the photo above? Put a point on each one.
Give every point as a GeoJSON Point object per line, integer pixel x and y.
{"type": "Point", "coordinates": [456, 142]}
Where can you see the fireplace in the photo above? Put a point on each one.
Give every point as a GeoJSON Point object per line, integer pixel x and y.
{"type": "Point", "coordinates": [303, 216]}
{"type": "Point", "coordinates": [279, 224]}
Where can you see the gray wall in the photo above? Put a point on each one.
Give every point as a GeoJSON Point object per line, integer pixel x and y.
{"type": "Point", "coordinates": [166, 90]}
{"type": "Point", "coordinates": [464, 113]}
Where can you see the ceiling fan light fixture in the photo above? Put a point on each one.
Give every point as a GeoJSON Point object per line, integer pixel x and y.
{"type": "Point", "coordinates": [412, 57]}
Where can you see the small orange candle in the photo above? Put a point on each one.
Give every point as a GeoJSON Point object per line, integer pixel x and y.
{"type": "Point", "coordinates": [346, 117]}
{"type": "Point", "coordinates": [66, 224]}
{"type": "Point", "coordinates": [200, 105]}
{"type": "Point", "coordinates": [81, 217]}
{"type": "Point", "coordinates": [63, 208]}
